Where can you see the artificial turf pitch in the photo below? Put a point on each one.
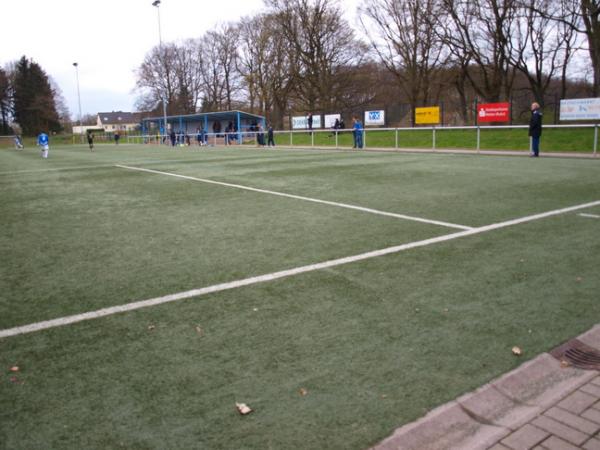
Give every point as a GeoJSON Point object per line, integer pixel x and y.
{"type": "Point", "coordinates": [333, 358]}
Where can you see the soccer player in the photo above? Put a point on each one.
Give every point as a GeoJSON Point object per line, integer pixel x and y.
{"type": "Point", "coordinates": [18, 143]}
{"type": "Point", "coordinates": [43, 142]}
{"type": "Point", "coordinates": [90, 139]}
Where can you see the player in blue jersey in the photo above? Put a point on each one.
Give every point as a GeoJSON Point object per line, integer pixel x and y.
{"type": "Point", "coordinates": [43, 142]}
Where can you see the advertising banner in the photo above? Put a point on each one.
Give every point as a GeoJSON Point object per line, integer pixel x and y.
{"type": "Point", "coordinates": [580, 109]}
{"type": "Point", "coordinates": [330, 119]}
{"type": "Point", "coordinates": [429, 115]}
{"type": "Point", "coordinates": [493, 112]}
{"type": "Point", "coordinates": [301, 122]}
{"type": "Point", "coordinates": [375, 117]}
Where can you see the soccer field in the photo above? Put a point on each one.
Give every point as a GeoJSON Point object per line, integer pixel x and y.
{"type": "Point", "coordinates": [145, 290]}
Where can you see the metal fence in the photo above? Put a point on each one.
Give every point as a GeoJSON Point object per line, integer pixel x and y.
{"type": "Point", "coordinates": [568, 138]}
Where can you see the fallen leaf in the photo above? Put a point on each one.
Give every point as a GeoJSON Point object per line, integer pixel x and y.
{"type": "Point", "coordinates": [445, 309]}
{"type": "Point", "coordinates": [564, 363]}
{"type": "Point", "coordinates": [516, 351]}
{"type": "Point", "coordinates": [255, 309]}
{"type": "Point", "coordinates": [16, 380]}
{"type": "Point", "coordinates": [303, 392]}
{"type": "Point", "coordinates": [151, 327]}
{"type": "Point", "coordinates": [200, 331]}
{"type": "Point", "coordinates": [243, 408]}
{"type": "Point", "coordinates": [14, 369]}
{"type": "Point", "coordinates": [579, 279]}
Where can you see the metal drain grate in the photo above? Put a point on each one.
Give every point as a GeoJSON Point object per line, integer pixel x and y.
{"type": "Point", "coordinates": [578, 354]}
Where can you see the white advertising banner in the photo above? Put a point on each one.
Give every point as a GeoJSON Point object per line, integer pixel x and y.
{"type": "Point", "coordinates": [301, 122]}
{"type": "Point", "coordinates": [375, 117]}
{"type": "Point", "coordinates": [330, 119]}
{"type": "Point", "coordinates": [580, 109]}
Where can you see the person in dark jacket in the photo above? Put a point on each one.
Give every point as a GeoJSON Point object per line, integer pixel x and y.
{"type": "Point", "coordinates": [535, 129]}
{"type": "Point", "coordinates": [270, 137]}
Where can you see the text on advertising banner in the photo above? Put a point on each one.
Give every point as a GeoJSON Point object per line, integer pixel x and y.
{"type": "Point", "coordinates": [375, 117]}
{"type": "Point", "coordinates": [493, 112]}
{"type": "Point", "coordinates": [580, 109]}
{"type": "Point", "coordinates": [429, 115]}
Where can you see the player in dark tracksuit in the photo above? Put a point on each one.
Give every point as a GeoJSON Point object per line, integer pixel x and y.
{"type": "Point", "coordinates": [535, 129]}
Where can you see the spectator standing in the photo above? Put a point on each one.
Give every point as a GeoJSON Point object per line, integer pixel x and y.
{"type": "Point", "coordinates": [309, 121]}
{"type": "Point", "coordinates": [117, 137]}
{"type": "Point", "coordinates": [173, 137]}
{"type": "Point", "coordinates": [357, 130]}
{"type": "Point", "coordinates": [535, 129]}
{"type": "Point", "coordinates": [270, 136]}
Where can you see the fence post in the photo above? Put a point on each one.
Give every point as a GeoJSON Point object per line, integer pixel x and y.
{"type": "Point", "coordinates": [312, 139]}
{"type": "Point", "coordinates": [595, 140]}
{"type": "Point", "coordinates": [396, 138]}
{"type": "Point", "coordinates": [336, 139]}
{"type": "Point", "coordinates": [433, 139]}
{"type": "Point", "coordinates": [478, 138]}
{"type": "Point", "coordinates": [364, 139]}
{"type": "Point", "coordinates": [291, 138]}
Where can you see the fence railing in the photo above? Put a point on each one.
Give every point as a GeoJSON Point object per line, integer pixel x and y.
{"type": "Point", "coordinates": [555, 138]}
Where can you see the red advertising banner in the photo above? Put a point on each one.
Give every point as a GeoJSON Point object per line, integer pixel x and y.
{"type": "Point", "coordinates": [493, 112]}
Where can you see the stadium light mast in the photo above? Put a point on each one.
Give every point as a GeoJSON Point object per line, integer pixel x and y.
{"type": "Point", "coordinates": [156, 3]}
{"type": "Point", "coordinates": [76, 65]}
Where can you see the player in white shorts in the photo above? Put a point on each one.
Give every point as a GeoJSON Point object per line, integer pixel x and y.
{"type": "Point", "coordinates": [43, 142]}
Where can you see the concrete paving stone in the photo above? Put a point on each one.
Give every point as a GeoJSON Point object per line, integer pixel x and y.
{"type": "Point", "coordinates": [525, 438]}
{"type": "Point", "coordinates": [577, 402]}
{"type": "Point", "coordinates": [554, 443]}
{"type": "Point", "coordinates": [446, 427]}
{"type": "Point", "coordinates": [499, 446]}
{"type": "Point", "coordinates": [574, 421]}
{"type": "Point", "coordinates": [591, 337]}
{"type": "Point", "coordinates": [592, 444]}
{"type": "Point", "coordinates": [541, 381]}
{"type": "Point", "coordinates": [488, 404]}
{"type": "Point", "coordinates": [561, 430]}
{"type": "Point", "coordinates": [591, 389]}
{"type": "Point", "coordinates": [592, 415]}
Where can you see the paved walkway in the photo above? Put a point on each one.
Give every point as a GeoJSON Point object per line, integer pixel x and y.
{"type": "Point", "coordinates": [543, 404]}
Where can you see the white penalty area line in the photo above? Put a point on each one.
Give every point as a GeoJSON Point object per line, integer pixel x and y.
{"type": "Point", "coordinates": [298, 197]}
{"type": "Point", "coordinates": [277, 275]}
{"type": "Point", "coordinates": [590, 216]}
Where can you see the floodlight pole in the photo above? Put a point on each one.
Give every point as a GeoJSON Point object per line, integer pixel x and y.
{"type": "Point", "coordinates": [76, 65]}
{"type": "Point", "coordinates": [156, 3]}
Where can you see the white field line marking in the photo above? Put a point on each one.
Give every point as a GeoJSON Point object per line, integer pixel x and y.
{"type": "Point", "coordinates": [277, 275]}
{"type": "Point", "coordinates": [298, 197]}
{"type": "Point", "coordinates": [591, 216]}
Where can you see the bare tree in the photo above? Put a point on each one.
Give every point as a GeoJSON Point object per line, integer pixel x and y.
{"type": "Point", "coordinates": [482, 31]}
{"type": "Point", "coordinates": [156, 78]}
{"type": "Point", "coordinates": [541, 47]}
{"type": "Point", "coordinates": [323, 43]}
{"type": "Point", "coordinates": [402, 35]}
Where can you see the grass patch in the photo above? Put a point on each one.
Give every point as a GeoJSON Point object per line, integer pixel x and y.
{"type": "Point", "coordinates": [375, 344]}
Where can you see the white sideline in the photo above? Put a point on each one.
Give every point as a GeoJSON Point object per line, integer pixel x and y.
{"type": "Point", "coordinates": [298, 197]}
{"type": "Point", "coordinates": [591, 216]}
{"type": "Point", "coordinates": [276, 275]}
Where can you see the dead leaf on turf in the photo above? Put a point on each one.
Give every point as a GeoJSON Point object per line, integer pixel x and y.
{"type": "Point", "coordinates": [200, 331]}
{"type": "Point", "coordinates": [14, 369]}
{"type": "Point", "coordinates": [243, 409]}
{"type": "Point", "coordinates": [579, 279]}
{"type": "Point", "coordinates": [564, 363]}
{"type": "Point", "coordinates": [151, 327]}
{"type": "Point", "coordinates": [303, 392]}
{"type": "Point", "coordinates": [516, 351]}
{"type": "Point", "coordinates": [16, 380]}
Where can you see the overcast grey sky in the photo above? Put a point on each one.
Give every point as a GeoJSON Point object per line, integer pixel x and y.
{"type": "Point", "coordinates": [108, 39]}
